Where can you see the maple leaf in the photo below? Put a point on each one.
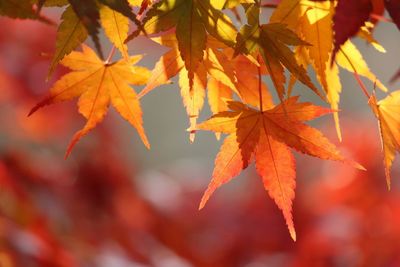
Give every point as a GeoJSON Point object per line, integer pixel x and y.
{"type": "Point", "coordinates": [316, 28]}
{"type": "Point", "coordinates": [97, 84]}
{"type": "Point", "coordinates": [312, 20]}
{"type": "Point", "coordinates": [70, 34]}
{"type": "Point", "coordinates": [167, 14]}
{"type": "Point", "coordinates": [272, 41]}
{"type": "Point", "coordinates": [116, 27]}
{"type": "Point", "coordinates": [349, 16]}
{"type": "Point", "coordinates": [264, 137]}
{"type": "Point", "coordinates": [89, 16]}
{"type": "Point", "coordinates": [192, 20]}
{"type": "Point", "coordinates": [73, 30]}
{"type": "Point", "coordinates": [387, 111]}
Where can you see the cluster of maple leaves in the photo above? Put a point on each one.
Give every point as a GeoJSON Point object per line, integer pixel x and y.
{"type": "Point", "coordinates": [210, 54]}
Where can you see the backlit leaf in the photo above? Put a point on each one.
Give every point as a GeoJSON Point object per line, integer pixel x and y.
{"type": "Point", "coordinates": [387, 111]}
{"type": "Point", "coordinates": [70, 34]}
{"type": "Point", "coordinates": [99, 84]}
{"type": "Point", "coordinates": [264, 137]}
{"type": "Point", "coordinates": [116, 27]}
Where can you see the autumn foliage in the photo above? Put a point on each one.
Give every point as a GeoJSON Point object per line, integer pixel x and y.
{"type": "Point", "coordinates": [223, 53]}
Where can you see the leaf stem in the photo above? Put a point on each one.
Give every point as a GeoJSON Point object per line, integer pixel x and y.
{"type": "Point", "coordinates": [360, 82]}
{"type": "Point", "coordinates": [269, 5]}
{"type": "Point", "coordinates": [112, 52]}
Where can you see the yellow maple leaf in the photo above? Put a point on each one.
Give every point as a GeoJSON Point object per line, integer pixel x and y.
{"type": "Point", "coordinates": [116, 27]}
{"type": "Point", "coordinates": [350, 58]}
{"type": "Point", "coordinates": [313, 21]}
{"type": "Point", "coordinates": [70, 34]}
{"type": "Point", "coordinates": [387, 111]}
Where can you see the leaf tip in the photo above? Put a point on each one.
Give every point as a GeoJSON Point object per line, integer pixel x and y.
{"type": "Point", "coordinates": [192, 130]}
{"type": "Point", "coordinates": [33, 110]}
{"type": "Point", "coordinates": [143, 137]}
{"type": "Point", "coordinates": [207, 194]}
{"type": "Point", "coordinates": [69, 149]}
{"type": "Point", "coordinates": [52, 68]}
{"type": "Point", "coordinates": [204, 200]}
{"type": "Point", "coordinates": [292, 233]}
{"type": "Point", "coordinates": [388, 180]}
{"type": "Point", "coordinates": [358, 165]}
{"type": "Point", "coordinates": [39, 105]}
{"type": "Point", "coordinates": [201, 205]}
{"type": "Point", "coordinates": [337, 126]}
{"type": "Point", "coordinates": [147, 145]}
{"type": "Point", "coordinates": [339, 134]}
{"type": "Point", "coordinates": [73, 142]}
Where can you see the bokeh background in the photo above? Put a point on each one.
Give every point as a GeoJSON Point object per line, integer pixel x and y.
{"type": "Point", "coordinates": [113, 203]}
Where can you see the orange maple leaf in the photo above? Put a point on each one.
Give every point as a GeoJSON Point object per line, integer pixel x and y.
{"type": "Point", "coordinates": [265, 137]}
{"type": "Point", "coordinates": [97, 84]}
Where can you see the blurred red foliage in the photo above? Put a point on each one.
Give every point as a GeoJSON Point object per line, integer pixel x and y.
{"type": "Point", "coordinates": [90, 211]}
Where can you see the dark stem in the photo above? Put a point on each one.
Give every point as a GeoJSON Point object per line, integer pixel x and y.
{"type": "Point", "coordinates": [269, 5]}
